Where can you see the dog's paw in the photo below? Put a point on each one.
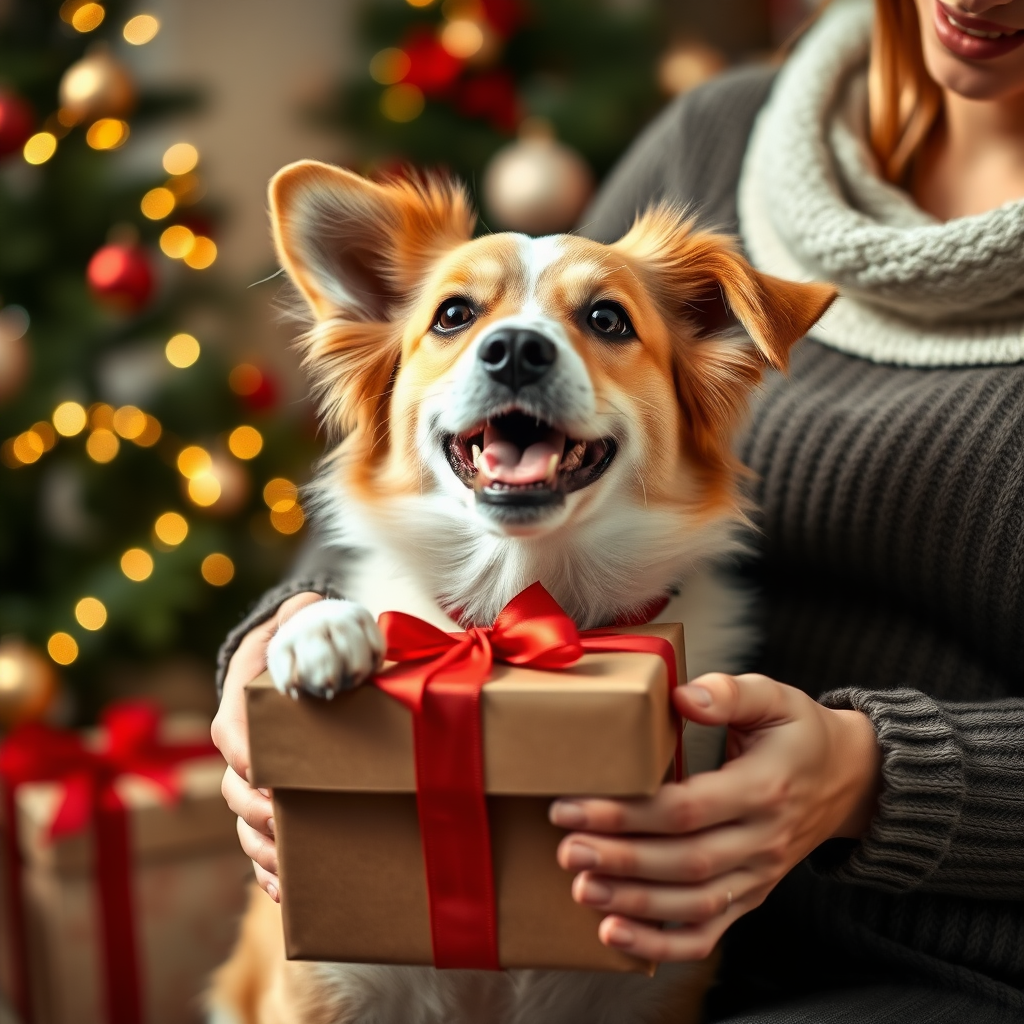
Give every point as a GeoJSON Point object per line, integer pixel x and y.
{"type": "Point", "coordinates": [325, 647]}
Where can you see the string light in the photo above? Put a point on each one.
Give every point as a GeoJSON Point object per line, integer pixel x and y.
{"type": "Point", "coordinates": [171, 529]}
{"type": "Point", "coordinates": [419, 3]}
{"type": "Point", "coordinates": [187, 188]}
{"type": "Point", "coordinates": [137, 564]}
{"type": "Point", "coordinates": [91, 613]}
{"type": "Point", "coordinates": [107, 133]}
{"type": "Point", "coordinates": [177, 241]}
{"type": "Point", "coordinates": [182, 350]}
{"type": "Point", "coordinates": [63, 648]}
{"type": "Point", "coordinates": [69, 419]}
{"type": "Point", "coordinates": [129, 422]}
{"type": "Point", "coordinates": [180, 158]}
{"type": "Point", "coordinates": [280, 494]}
{"type": "Point", "coordinates": [46, 434]}
{"type": "Point", "coordinates": [101, 415]}
{"type": "Point", "coordinates": [40, 148]}
{"type": "Point", "coordinates": [158, 203]}
{"type": "Point", "coordinates": [390, 66]}
{"type": "Point", "coordinates": [245, 442]}
{"type": "Point", "coordinates": [204, 489]}
{"type": "Point", "coordinates": [202, 254]}
{"type": "Point", "coordinates": [462, 38]}
{"type": "Point", "coordinates": [28, 447]}
{"type": "Point", "coordinates": [141, 29]}
{"type": "Point", "coordinates": [150, 433]}
{"type": "Point", "coordinates": [102, 445]}
{"type": "Point", "coordinates": [194, 461]}
{"type": "Point", "coordinates": [83, 17]}
{"type": "Point", "coordinates": [402, 102]}
{"type": "Point", "coordinates": [217, 569]}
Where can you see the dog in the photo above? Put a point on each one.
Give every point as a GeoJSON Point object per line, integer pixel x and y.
{"type": "Point", "coordinates": [511, 409]}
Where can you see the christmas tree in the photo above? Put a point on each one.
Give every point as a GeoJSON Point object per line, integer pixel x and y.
{"type": "Point", "coordinates": [144, 481]}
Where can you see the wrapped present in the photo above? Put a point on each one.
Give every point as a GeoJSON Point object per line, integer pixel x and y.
{"type": "Point", "coordinates": [411, 815]}
{"type": "Point", "coordinates": [122, 877]}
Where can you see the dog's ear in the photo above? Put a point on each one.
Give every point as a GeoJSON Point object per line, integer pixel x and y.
{"type": "Point", "coordinates": [354, 248]}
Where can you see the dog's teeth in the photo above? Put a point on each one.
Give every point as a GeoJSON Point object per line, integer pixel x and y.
{"type": "Point", "coordinates": [476, 455]}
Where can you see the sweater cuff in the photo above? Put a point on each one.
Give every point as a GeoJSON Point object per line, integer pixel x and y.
{"type": "Point", "coordinates": [922, 797]}
{"type": "Point", "coordinates": [265, 608]}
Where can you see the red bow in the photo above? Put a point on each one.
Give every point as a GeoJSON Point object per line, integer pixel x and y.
{"type": "Point", "coordinates": [439, 677]}
{"type": "Point", "coordinates": [39, 753]}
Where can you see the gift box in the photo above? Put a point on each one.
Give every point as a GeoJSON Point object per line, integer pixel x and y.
{"type": "Point", "coordinates": [356, 880]}
{"type": "Point", "coordinates": [184, 887]}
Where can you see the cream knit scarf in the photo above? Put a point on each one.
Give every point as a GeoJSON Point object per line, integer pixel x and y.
{"type": "Point", "coordinates": [914, 290]}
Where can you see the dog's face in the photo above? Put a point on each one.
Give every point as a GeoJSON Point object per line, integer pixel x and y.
{"type": "Point", "coordinates": [527, 380]}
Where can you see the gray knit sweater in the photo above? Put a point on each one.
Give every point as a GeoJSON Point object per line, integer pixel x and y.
{"type": "Point", "coordinates": [892, 577]}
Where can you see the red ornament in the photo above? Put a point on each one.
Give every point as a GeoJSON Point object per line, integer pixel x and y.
{"type": "Point", "coordinates": [492, 97]}
{"type": "Point", "coordinates": [16, 123]}
{"type": "Point", "coordinates": [505, 16]}
{"type": "Point", "coordinates": [431, 67]}
{"type": "Point", "coordinates": [121, 276]}
{"type": "Point", "coordinates": [263, 396]}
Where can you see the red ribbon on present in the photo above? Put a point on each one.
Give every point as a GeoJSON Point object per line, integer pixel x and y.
{"type": "Point", "coordinates": [40, 753]}
{"type": "Point", "coordinates": [439, 677]}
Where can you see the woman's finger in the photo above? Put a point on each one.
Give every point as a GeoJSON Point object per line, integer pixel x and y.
{"type": "Point", "coordinates": [251, 805]}
{"type": "Point", "coordinates": [258, 847]}
{"type": "Point", "coordinates": [687, 859]}
{"type": "Point", "coordinates": [649, 942]}
{"type": "Point", "coordinates": [745, 702]}
{"type": "Point", "coordinates": [683, 904]}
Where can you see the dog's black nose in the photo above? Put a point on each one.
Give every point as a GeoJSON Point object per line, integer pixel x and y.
{"type": "Point", "coordinates": [515, 357]}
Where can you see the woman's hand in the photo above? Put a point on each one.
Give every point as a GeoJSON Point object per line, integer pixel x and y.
{"type": "Point", "coordinates": [712, 847]}
{"type": "Point", "coordinates": [230, 732]}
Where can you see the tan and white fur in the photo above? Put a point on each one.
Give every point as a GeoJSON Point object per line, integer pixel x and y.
{"type": "Point", "coordinates": [512, 409]}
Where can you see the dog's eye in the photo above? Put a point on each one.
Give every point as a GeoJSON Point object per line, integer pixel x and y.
{"type": "Point", "coordinates": [610, 321]}
{"type": "Point", "coordinates": [452, 314]}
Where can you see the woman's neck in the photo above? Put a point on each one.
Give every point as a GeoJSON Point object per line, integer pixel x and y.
{"type": "Point", "coordinates": [973, 161]}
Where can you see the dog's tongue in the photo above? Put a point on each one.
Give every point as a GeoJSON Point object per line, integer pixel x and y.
{"type": "Point", "coordinates": [504, 461]}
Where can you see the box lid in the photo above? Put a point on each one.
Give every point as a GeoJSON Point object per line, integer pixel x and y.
{"type": "Point", "coordinates": [601, 727]}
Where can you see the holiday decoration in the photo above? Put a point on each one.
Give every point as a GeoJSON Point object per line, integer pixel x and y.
{"type": "Point", "coordinates": [28, 683]}
{"type": "Point", "coordinates": [121, 276]}
{"type": "Point", "coordinates": [96, 86]}
{"type": "Point", "coordinates": [14, 351]}
{"type": "Point", "coordinates": [688, 65]}
{"type": "Point", "coordinates": [16, 121]}
{"type": "Point", "coordinates": [536, 185]}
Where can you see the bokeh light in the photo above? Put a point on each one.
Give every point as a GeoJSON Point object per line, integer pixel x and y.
{"type": "Point", "coordinates": [177, 241]}
{"type": "Point", "coordinates": [46, 434]}
{"type": "Point", "coordinates": [245, 379]}
{"type": "Point", "coordinates": [182, 350]}
{"type": "Point", "coordinates": [204, 489]}
{"type": "Point", "coordinates": [180, 158]}
{"type": "Point", "coordinates": [280, 494]}
{"type": "Point", "coordinates": [28, 447]}
{"type": "Point", "coordinates": [107, 133]}
{"type": "Point", "coordinates": [63, 648]}
{"type": "Point", "coordinates": [171, 528]}
{"type": "Point", "coordinates": [102, 445]}
{"type": "Point", "coordinates": [83, 17]}
{"type": "Point", "coordinates": [69, 419]}
{"type": "Point", "coordinates": [91, 613]}
{"type": "Point", "coordinates": [402, 102]}
{"type": "Point", "coordinates": [150, 433]}
{"type": "Point", "coordinates": [194, 461]}
{"type": "Point", "coordinates": [141, 29]}
{"type": "Point", "coordinates": [217, 569]}
{"type": "Point", "coordinates": [202, 254]}
{"type": "Point", "coordinates": [287, 520]}
{"type": "Point", "coordinates": [157, 203]}
{"type": "Point", "coordinates": [40, 148]}
{"type": "Point", "coordinates": [462, 38]}
{"type": "Point", "coordinates": [390, 66]}
{"type": "Point", "coordinates": [129, 422]}
{"type": "Point", "coordinates": [137, 564]}
{"type": "Point", "coordinates": [101, 415]}
{"type": "Point", "coordinates": [245, 442]}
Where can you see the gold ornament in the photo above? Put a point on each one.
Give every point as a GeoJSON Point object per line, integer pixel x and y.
{"type": "Point", "coordinates": [96, 86]}
{"type": "Point", "coordinates": [28, 683]}
{"type": "Point", "coordinates": [537, 185]}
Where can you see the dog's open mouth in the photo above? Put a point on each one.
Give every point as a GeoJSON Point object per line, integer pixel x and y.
{"type": "Point", "coordinates": [517, 459]}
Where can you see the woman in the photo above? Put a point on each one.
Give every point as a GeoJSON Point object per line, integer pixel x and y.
{"type": "Point", "coordinates": [890, 469]}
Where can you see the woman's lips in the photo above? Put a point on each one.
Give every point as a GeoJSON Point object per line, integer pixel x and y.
{"type": "Point", "coordinates": [973, 47]}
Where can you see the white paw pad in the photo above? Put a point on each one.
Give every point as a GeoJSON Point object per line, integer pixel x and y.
{"type": "Point", "coordinates": [325, 647]}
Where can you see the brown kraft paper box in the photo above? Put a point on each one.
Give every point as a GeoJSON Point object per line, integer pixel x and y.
{"type": "Point", "coordinates": [189, 885]}
{"type": "Point", "coordinates": [353, 883]}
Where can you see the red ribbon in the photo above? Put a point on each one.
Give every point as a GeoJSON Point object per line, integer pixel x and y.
{"type": "Point", "coordinates": [39, 753]}
{"type": "Point", "coordinates": [439, 677]}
